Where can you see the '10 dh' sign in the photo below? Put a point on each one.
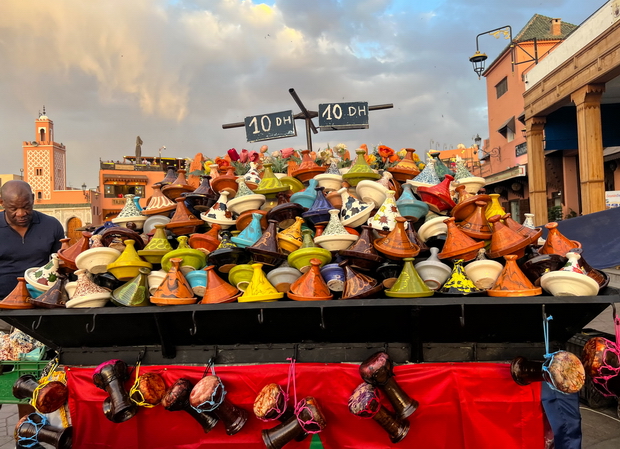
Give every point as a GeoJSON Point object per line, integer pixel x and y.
{"type": "Point", "coordinates": [270, 126]}
{"type": "Point", "coordinates": [334, 116]}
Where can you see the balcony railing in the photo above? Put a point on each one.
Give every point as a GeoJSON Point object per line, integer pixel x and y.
{"type": "Point", "coordinates": [134, 167]}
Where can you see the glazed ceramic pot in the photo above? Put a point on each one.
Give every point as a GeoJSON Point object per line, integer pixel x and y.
{"type": "Point", "coordinates": [475, 225]}
{"type": "Point", "coordinates": [458, 284]}
{"type": "Point", "coordinates": [197, 281]}
{"type": "Point", "coordinates": [158, 246]}
{"type": "Point", "coordinates": [259, 289]}
{"type": "Point", "coordinates": [282, 277]}
{"type": "Point", "coordinates": [55, 297]}
{"type": "Point", "coordinates": [134, 293]}
{"type": "Point", "coordinates": [106, 280]}
{"type": "Point", "coordinates": [532, 234]}
{"type": "Point", "coordinates": [569, 283]}
{"type": "Point", "coordinates": [458, 244]}
{"type": "Point", "coordinates": [388, 272]}
{"type": "Point", "coordinates": [270, 184]}
{"type": "Point", "coordinates": [319, 211]}
{"type": "Point", "coordinates": [494, 207]}
{"type": "Point", "coordinates": [371, 192]}
{"type": "Point", "coordinates": [128, 264]}
{"type": "Point", "coordinates": [300, 258]}
{"type": "Point", "coordinates": [333, 275]}
{"type": "Point", "coordinates": [466, 204]}
{"type": "Point", "coordinates": [241, 275]}
{"type": "Point", "coordinates": [601, 357]}
{"type": "Point", "coordinates": [219, 291]}
{"type": "Point", "coordinates": [529, 221]}
{"type": "Point", "coordinates": [600, 277]}
{"type": "Point", "coordinates": [358, 285]}
{"type": "Point", "coordinates": [266, 250]}
{"type": "Point", "coordinates": [219, 213]}
{"type": "Point", "coordinates": [227, 254]}
{"type": "Point", "coordinates": [155, 278]}
{"type": "Point", "coordinates": [308, 168]}
{"type": "Point", "coordinates": [396, 245]}
{"type": "Point", "coordinates": [294, 185]}
{"type": "Point", "coordinates": [43, 278]}
{"type": "Point", "coordinates": [159, 204]}
{"type": "Point", "coordinates": [151, 222]}
{"type": "Point", "coordinates": [483, 272]}
{"type": "Point", "coordinates": [96, 260]}
{"type": "Point", "coordinates": [335, 237]}
{"type": "Point", "coordinates": [245, 219]}
{"type": "Point", "coordinates": [176, 188]}
{"type": "Point", "coordinates": [354, 212]}
{"type": "Point", "coordinates": [329, 181]}
{"type": "Point", "coordinates": [115, 237]}
{"type": "Point", "coordinates": [227, 182]}
{"type": "Point", "coordinates": [362, 254]}
{"type": "Point", "coordinates": [535, 267]}
{"type": "Point", "coordinates": [183, 221]}
{"type": "Point", "coordinates": [409, 283]}
{"type": "Point", "coordinates": [192, 259]}
{"type": "Point", "coordinates": [505, 241]}
{"type": "Point", "coordinates": [440, 167]}
{"type": "Point", "coordinates": [310, 286]}
{"type": "Point", "coordinates": [174, 290]}
{"type": "Point", "coordinates": [438, 196]}
{"type": "Point", "coordinates": [406, 169]}
{"type": "Point", "coordinates": [306, 197]}
{"type": "Point", "coordinates": [427, 177]}
{"type": "Point", "coordinates": [209, 241]}
{"type": "Point", "coordinates": [360, 170]}
{"type": "Point", "coordinates": [130, 213]}
{"type": "Point", "coordinates": [203, 197]}
{"type": "Point", "coordinates": [433, 272]}
{"type": "Point", "coordinates": [67, 256]}
{"type": "Point", "coordinates": [433, 228]}
{"type": "Point", "coordinates": [290, 239]}
{"type": "Point", "coordinates": [409, 206]}
{"type": "Point", "coordinates": [18, 298]}
{"type": "Point", "coordinates": [245, 199]}
{"type": "Point", "coordinates": [285, 212]}
{"type": "Point", "coordinates": [463, 177]}
{"type": "Point", "coordinates": [308, 418]}
{"type": "Point", "coordinates": [250, 234]}
{"type": "Point", "coordinates": [385, 217]}
{"type": "Point", "coordinates": [563, 371]}
{"type": "Point", "coordinates": [556, 242]}
{"type": "Point", "coordinates": [512, 282]}
{"type": "Point", "coordinates": [87, 293]}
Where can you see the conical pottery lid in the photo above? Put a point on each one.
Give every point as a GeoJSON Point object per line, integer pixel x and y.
{"type": "Point", "coordinates": [270, 184]}
{"type": "Point", "coordinates": [214, 171]}
{"type": "Point", "coordinates": [532, 234]}
{"type": "Point", "coordinates": [332, 169]}
{"type": "Point", "coordinates": [203, 197]}
{"type": "Point", "coordinates": [476, 225]}
{"type": "Point", "coordinates": [363, 248]}
{"type": "Point", "coordinates": [427, 177]}
{"type": "Point", "coordinates": [358, 285]}
{"type": "Point", "coordinates": [438, 196]}
{"type": "Point", "coordinates": [458, 283]}
{"type": "Point", "coordinates": [505, 241]}
{"type": "Point", "coordinates": [352, 208]}
{"type": "Point", "coordinates": [158, 245]}
{"type": "Point", "coordinates": [192, 258]}
{"type": "Point", "coordinates": [334, 227]}
{"type": "Point", "coordinates": [409, 206]}
{"type": "Point", "coordinates": [129, 209]}
{"type": "Point", "coordinates": [467, 203]}
{"type": "Point", "coordinates": [310, 285]}
{"type": "Point", "coordinates": [285, 211]}
{"type": "Point", "coordinates": [218, 290]}
{"type": "Point", "coordinates": [134, 293]}
{"type": "Point", "coordinates": [128, 263]}
{"type": "Point", "coordinates": [267, 250]}
{"type": "Point", "coordinates": [529, 221]}
{"type": "Point", "coordinates": [406, 168]}
{"type": "Point", "coordinates": [414, 237]}
{"type": "Point", "coordinates": [308, 168]}
{"type": "Point", "coordinates": [573, 264]}
{"type": "Point", "coordinates": [219, 212]}
{"type": "Point", "coordinates": [252, 176]}
{"type": "Point", "coordinates": [171, 175]}
{"type": "Point", "coordinates": [55, 297]}
{"type": "Point", "coordinates": [259, 288]}
{"type": "Point", "coordinates": [183, 221]}
{"type": "Point", "coordinates": [19, 298]}
{"type": "Point", "coordinates": [320, 203]}
{"type": "Point", "coordinates": [44, 277]}
{"type": "Point", "coordinates": [512, 281]}
{"type": "Point", "coordinates": [290, 239]}
{"type": "Point", "coordinates": [459, 245]}
{"type": "Point", "coordinates": [440, 167]}
{"type": "Point", "coordinates": [243, 189]}
{"type": "Point", "coordinates": [461, 170]}
{"type": "Point", "coordinates": [494, 208]}
{"type": "Point", "coordinates": [360, 170]}
{"type": "Point", "coordinates": [556, 242]}
{"type": "Point", "coordinates": [86, 286]}
{"type": "Point", "coordinates": [396, 245]}
{"type": "Point", "coordinates": [306, 196]}
{"type": "Point", "coordinates": [177, 187]}
{"type": "Point", "coordinates": [208, 241]}
{"type": "Point", "coordinates": [174, 289]}
{"type": "Point", "coordinates": [409, 283]}
{"type": "Point", "coordinates": [385, 217]}
{"type": "Point", "coordinates": [67, 256]}
{"type": "Point", "coordinates": [250, 234]}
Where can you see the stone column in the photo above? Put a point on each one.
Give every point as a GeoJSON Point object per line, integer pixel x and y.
{"type": "Point", "coordinates": [537, 178]}
{"type": "Point", "coordinates": [590, 138]}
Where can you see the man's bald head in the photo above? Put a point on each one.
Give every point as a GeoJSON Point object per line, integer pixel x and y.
{"type": "Point", "coordinates": [17, 199]}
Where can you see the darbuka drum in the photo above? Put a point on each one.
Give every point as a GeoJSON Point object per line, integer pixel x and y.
{"type": "Point", "coordinates": [365, 403]}
{"type": "Point", "coordinates": [271, 403]}
{"type": "Point", "coordinates": [49, 397]}
{"type": "Point", "coordinates": [308, 418]}
{"type": "Point", "coordinates": [563, 371]}
{"type": "Point", "coordinates": [33, 429]}
{"type": "Point", "coordinates": [149, 391]}
{"type": "Point", "coordinates": [177, 399]}
{"type": "Point", "coordinates": [209, 395]}
{"type": "Point", "coordinates": [111, 376]}
{"type": "Point", "coordinates": [378, 371]}
{"type": "Point", "coordinates": [601, 361]}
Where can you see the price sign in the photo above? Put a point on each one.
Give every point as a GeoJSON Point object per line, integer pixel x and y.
{"type": "Point", "coordinates": [270, 126]}
{"type": "Point", "coordinates": [334, 116]}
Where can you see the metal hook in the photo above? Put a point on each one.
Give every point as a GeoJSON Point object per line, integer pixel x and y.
{"type": "Point", "coordinates": [194, 329]}
{"type": "Point", "coordinates": [91, 329]}
{"type": "Point", "coordinates": [322, 320]}
{"type": "Point", "coordinates": [141, 355]}
{"type": "Point", "coordinates": [462, 317]}
{"type": "Point", "coordinates": [260, 317]}
{"type": "Point", "coordinates": [295, 350]}
{"type": "Point", "coordinates": [35, 325]}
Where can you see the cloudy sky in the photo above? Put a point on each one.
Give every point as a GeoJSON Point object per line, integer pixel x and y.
{"type": "Point", "coordinates": [175, 71]}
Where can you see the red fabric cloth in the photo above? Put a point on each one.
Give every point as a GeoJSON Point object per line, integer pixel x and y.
{"type": "Point", "coordinates": [462, 406]}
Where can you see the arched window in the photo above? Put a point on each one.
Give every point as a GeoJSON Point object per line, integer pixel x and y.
{"type": "Point", "coordinates": [42, 135]}
{"type": "Point", "coordinates": [39, 195]}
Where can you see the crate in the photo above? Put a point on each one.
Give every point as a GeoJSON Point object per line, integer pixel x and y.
{"type": "Point", "coordinates": [589, 394]}
{"type": "Point", "coordinates": [10, 371]}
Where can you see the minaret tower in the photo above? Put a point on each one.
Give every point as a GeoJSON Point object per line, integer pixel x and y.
{"type": "Point", "coordinates": [45, 161]}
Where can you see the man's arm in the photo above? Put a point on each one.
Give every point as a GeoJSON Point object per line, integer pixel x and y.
{"type": "Point", "coordinates": [59, 233]}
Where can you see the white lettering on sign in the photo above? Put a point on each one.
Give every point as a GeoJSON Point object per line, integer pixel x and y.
{"type": "Point", "coordinates": [361, 110]}
{"type": "Point", "coordinates": [334, 110]}
{"type": "Point", "coordinates": [265, 124]}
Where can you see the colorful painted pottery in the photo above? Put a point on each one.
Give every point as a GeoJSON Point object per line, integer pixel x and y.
{"type": "Point", "coordinates": [149, 224]}
{"type": "Point", "coordinates": [67, 256]}
{"type": "Point", "coordinates": [69, 288]}
{"type": "Point", "coordinates": [219, 213]}
{"type": "Point", "coordinates": [466, 204]}
{"type": "Point", "coordinates": [532, 234]}
{"type": "Point", "coordinates": [203, 197]}
{"type": "Point", "coordinates": [114, 237]}
{"type": "Point", "coordinates": [385, 217]}
{"type": "Point", "coordinates": [245, 218]}
{"type": "Point", "coordinates": [157, 247]}
{"type": "Point", "coordinates": [427, 177]}
{"type": "Point", "coordinates": [306, 197]}
{"type": "Point", "coordinates": [209, 241]}
{"type": "Point", "coordinates": [556, 242]}
{"type": "Point", "coordinates": [183, 221]}
{"type": "Point", "coordinates": [512, 282]}
{"type": "Point", "coordinates": [174, 290]}
{"type": "Point", "coordinates": [300, 258]}
{"type": "Point", "coordinates": [440, 167]}
{"type": "Point", "coordinates": [219, 291]}
{"type": "Point", "coordinates": [396, 245]}
{"type": "Point", "coordinates": [505, 241]}
{"type": "Point", "coordinates": [106, 280]}
{"type": "Point", "coordinates": [433, 272]}
{"type": "Point", "coordinates": [171, 175]}
{"type": "Point", "coordinates": [227, 182]}
{"type": "Point", "coordinates": [409, 206]}
{"type": "Point", "coordinates": [438, 196]}
{"type": "Point", "coordinates": [335, 237]}
{"type": "Point", "coordinates": [569, 280]}
{"type": "Point", "coordinates": [19, 298]}
{"type": "Point", "coordinates": [414, 237]}
{"type": "Point", "coordinates": [250, 234]}
{"type": "Point", "coordinates": [482, 271]}
{"type": "Point", "coordinates": [529, 221]}
{"type": "Point", "coordinates": [241, 275]}
{"type": "Point", "coordinates": [294, 185]}
{"type": "Point", "coordinates": [179, 186]}
{"type": "Point", "coordinates": [87, 293]}
{"type": "Point", "coordinates": [535, 267]}
{"type": "Point", "coordinates": [458, 244]}
{"type": "Point", "coordinates": [155, 278]}
{"type": "Point", "coordinates": [283, 276]}
{"type": "Point", "coordinates": [259, 289]}
{"type": "Point", "coordinates": [371, 192]}
{"type": "Point", "coordinates": [600, 277]}
{"type": "Point", "coordinates": [494, 208]}
{"type": "Point", "coordinates": [406, 169]}
{"type": "Point", "coordinates": [227, 254]}
{"type": "Point", "coordinates": [192, 259]}
{"type": "Point", "coordinates": [285, 212]}
{"type": "Point", "coordinates": [159, 204]}
{"type": "Point", "coordinates": [476, 225]}
{"type": "Point", "coordinates": [129, 213]}
{"type": "Point", "coordinates": [360, 170]}
{"type": "Point", "coordinates": [463, 177]}
{"type": "Point", "coordinates": [353, 212]}
{"type": "Point", "coordinates": [433, 227]}
{"type": "Point", "coordinates": [245, 199]}
{"type": "Point", "coordinates": [388, 272]}
{"type": "Point", "coordinates": [42, 278]}
{"type": "Point", "coordinates": [330, 181]}
{"type": "Point", "coordinates": [358, 285]}
{"type": "Point", "coordinates": [134, 293]}
{"type": "Point", "coordinates": [197, 281]}
{"type": "Point", "coordinates": [307, 169]}
{"type": "Point", "coordinates": [128, 264]}
{"type": "Point", "coordinates": [362, 254]}
{"type": "Point", "coordinates": [333, 275]}
{"type": "Point", "coordinates": [458, 284]}
{"type": "Point", "coordinates": [409, 283]}
{"type": "Point", "coordinates": [290, 239]}
{"type": "Point", "coordinates": [365, 403]}
{"type": "Point", "coordinates": [136, 201]}
{"type": "Point", "coordinates": [563, 372]}
{"type": "Point", "coordinates": [55, 297]}
{"type": "Point", "coordinates": [270, 184]}
{"type": "Point", "coordinates": [310, 286]}
{"type": "Point", "coordinates": [266, 249]}
{"type": "Point", "coordinates": [319, 211]}
{"type": "Point", "coordinates": [601, 362]}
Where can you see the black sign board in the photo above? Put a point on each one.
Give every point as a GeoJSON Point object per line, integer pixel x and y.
{"type": "Point", "coordinates": [270, 126]}
{"type": "Point", "coordinates": [334, 116]}
{"type": "Point", "coordinates": [521, 149]}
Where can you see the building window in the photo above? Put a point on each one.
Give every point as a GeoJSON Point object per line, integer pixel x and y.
{"type": "Point", "coordinates": [502, 87]}
{"type": "Point", "coordinates": [39, 195]}
{"type": "Point", "coordinates": [38, 172]}
{"type": "Point", "coordinates": [120, 190]}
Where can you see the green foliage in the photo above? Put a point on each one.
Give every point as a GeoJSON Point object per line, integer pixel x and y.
{"type": "Point", "coordinates": [554, 214]}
